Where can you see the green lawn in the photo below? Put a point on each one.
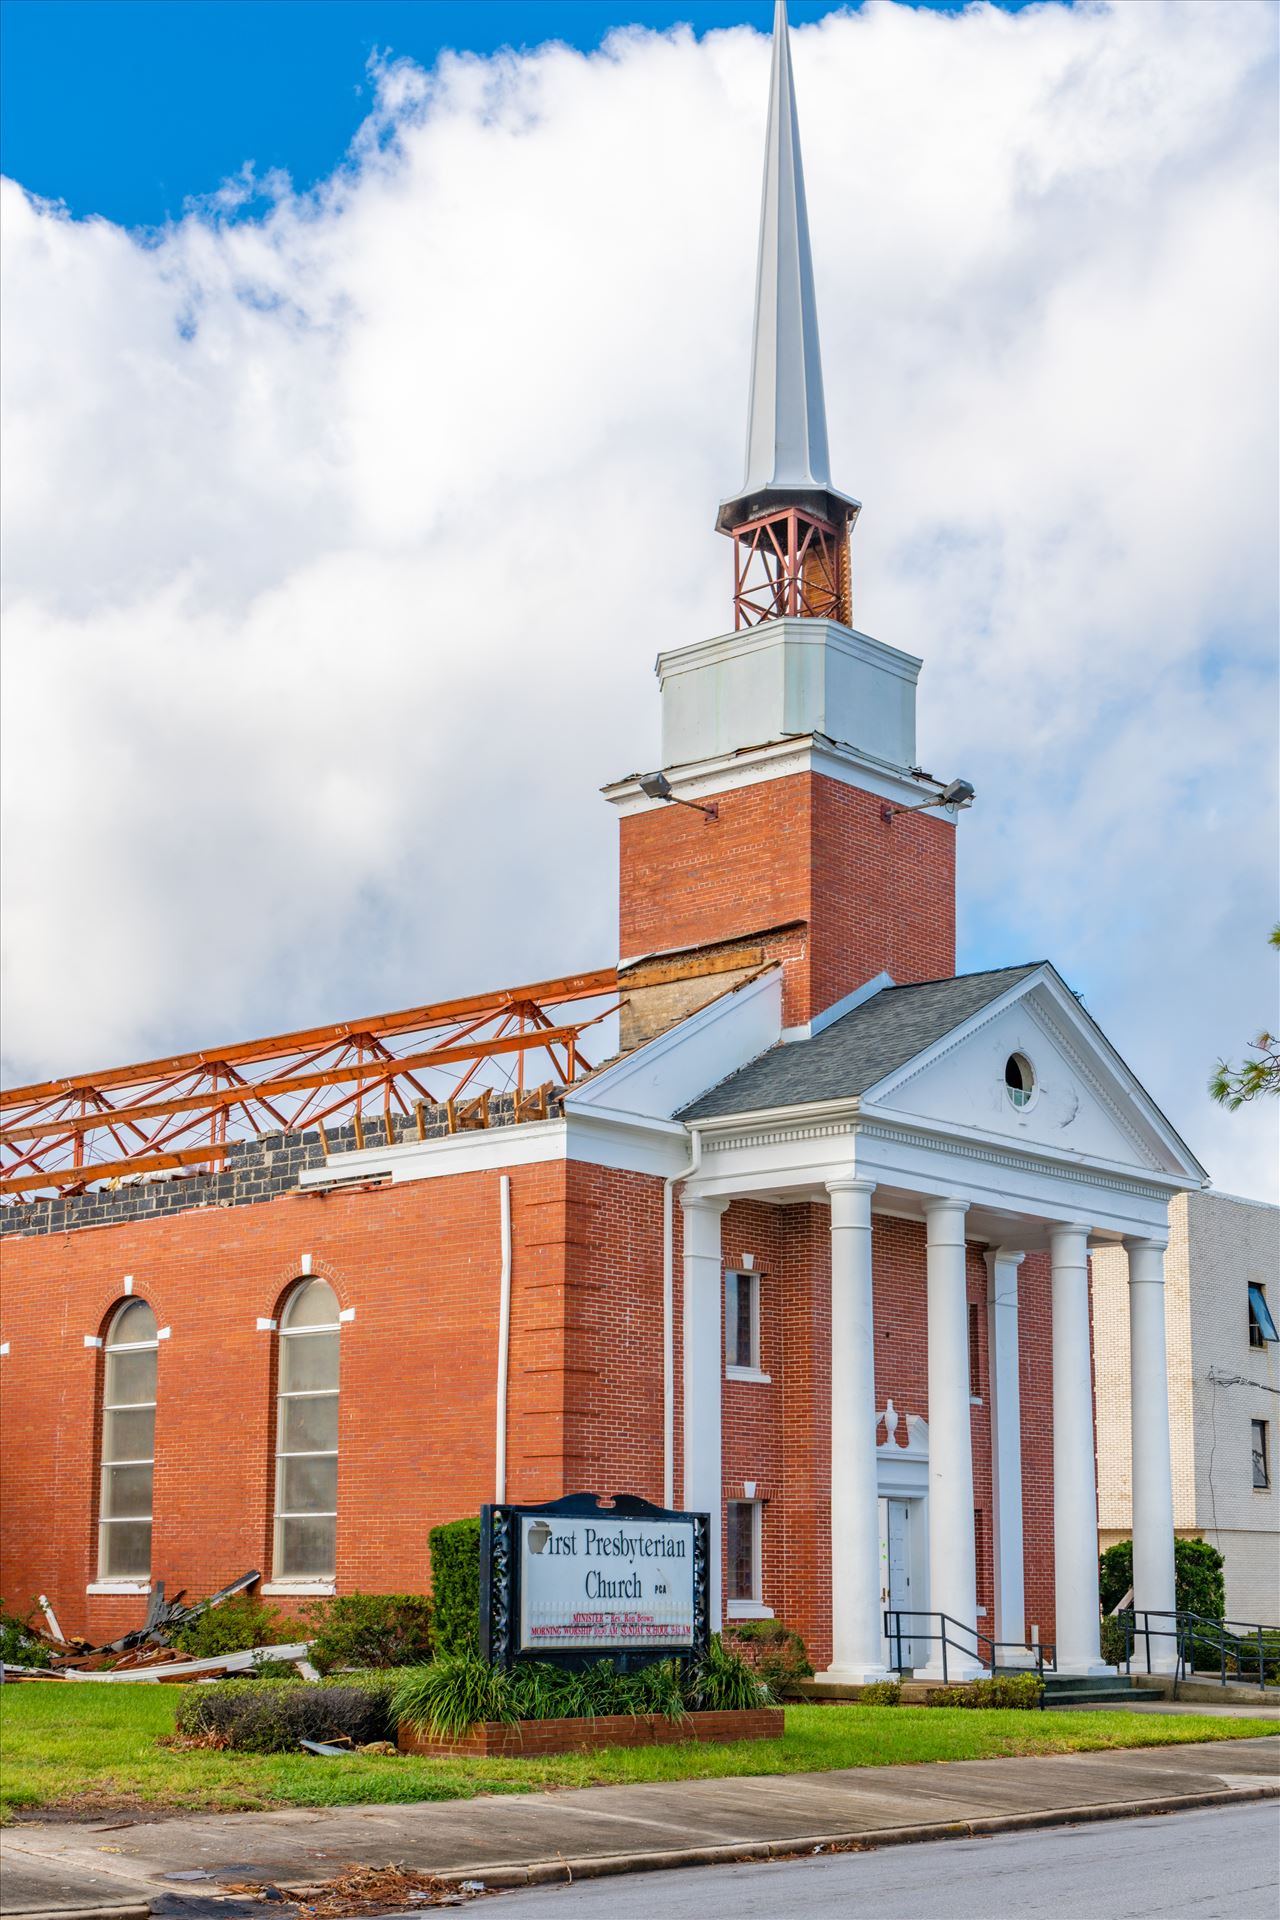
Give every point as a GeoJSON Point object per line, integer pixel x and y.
{"type": "Point", "coordinates": [95, 1747]}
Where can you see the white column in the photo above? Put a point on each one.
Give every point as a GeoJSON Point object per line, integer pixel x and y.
{"type": "Point", "coordinates": [703, 1371]}
{"type": "Point", "coordinates": [1005, 1401]}
{"type": "Point", "coordinates": [1153, 1578]}
{"type": "Point", "coordinates": [1075, 1490]}
{"type": "Point", "coordinates": [952, 1572]}
{"type": "Point", "coordinates": [856, 1629]}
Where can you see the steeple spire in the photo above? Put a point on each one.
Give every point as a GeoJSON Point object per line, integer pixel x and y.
{"type": "Point", "coordinates": [788, 467]}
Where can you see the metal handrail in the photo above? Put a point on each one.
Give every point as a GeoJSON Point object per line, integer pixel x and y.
{"type": "Point", "coordinates": [894, 1633]}
{"type": "Point", "coordinates": [1232, 1639]}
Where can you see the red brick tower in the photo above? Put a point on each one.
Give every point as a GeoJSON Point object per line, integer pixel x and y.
{"type": "Point", "coordinates": [790, 819]}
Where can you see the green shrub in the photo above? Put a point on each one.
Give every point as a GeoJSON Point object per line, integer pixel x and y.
{"type": "Point", "coordinates": [271, 1716]}
{"type": "Point", "coordinates": [369, 1630]}
{"type": "Point", "coordinates": [445, 1699]}
{"type": "Point", "coordinates": [774, 1651]}
{"type": "Point", "coordinates": [1114, 1638]}
{"type": "Point", "coordinates": [455, 1586]}
{"type": "Point", "coordinates": [1197, 1577]}
{"type": "Point", "coordinates": [881, 1693]}
{"type": "Point", "coordinates": [235, 1626]}
{"type": "Point", "coordinates": [722, 1682]}
{"type": "Point", "coordinates": [18, 1645]}
{"type": "Point", "coordinates": [1020, 1690]}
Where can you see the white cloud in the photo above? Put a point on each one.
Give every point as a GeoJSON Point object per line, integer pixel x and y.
{"type": "Point", "coordinates": [339, 540]}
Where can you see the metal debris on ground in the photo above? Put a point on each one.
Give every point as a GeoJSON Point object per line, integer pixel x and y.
{"type": "Point", "coordinates": [147, 1653]}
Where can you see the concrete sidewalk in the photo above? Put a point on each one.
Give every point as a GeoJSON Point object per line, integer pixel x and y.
{"type": "Point", "coordinates": [522, 1839]}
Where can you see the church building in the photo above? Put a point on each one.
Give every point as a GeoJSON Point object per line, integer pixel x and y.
{"type": "Point", "coordinates": [777, 1217]}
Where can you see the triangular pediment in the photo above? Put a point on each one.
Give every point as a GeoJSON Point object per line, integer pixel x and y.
{"type": "Point", "coordinates": [1083, 1099]}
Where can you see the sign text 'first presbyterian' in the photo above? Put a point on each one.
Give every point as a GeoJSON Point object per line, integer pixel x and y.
{"type": "Point", "coordinates": [606, 1582]}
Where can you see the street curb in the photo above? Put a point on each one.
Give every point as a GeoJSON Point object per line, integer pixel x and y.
{"type": "Point", "coordinates": [79, 1913]}
{"type": "Point", "coordinates": [562, 1871]}
{"type": "Point", "coordinates": [539, 1873]}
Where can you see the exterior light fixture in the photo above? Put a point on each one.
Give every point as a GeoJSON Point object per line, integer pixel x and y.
{"type": "Point", "coordinates": [657, 787]}
{"type": "Point", "coordinates": [958, 794]}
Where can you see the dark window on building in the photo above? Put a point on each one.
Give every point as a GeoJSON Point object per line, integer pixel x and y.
{"type": "Point", "coordinates": [1261, 1454]}
{"type": "Point", "coordinates": [742, 1321]}
{"type": "Point", "coordinates": [742, 1561]}
{"type": "Point", "coordinates": [1262, 1326]}
{"type": "Point", "coordinates": [975, 1352]}
{"type": "Point", "coordinates": [980, 1554]}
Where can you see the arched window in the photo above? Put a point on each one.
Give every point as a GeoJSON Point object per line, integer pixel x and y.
{"type": "Point", "coordinates": [128, 1444]}
{"type": "Point", "coordinates": [307, 1435]}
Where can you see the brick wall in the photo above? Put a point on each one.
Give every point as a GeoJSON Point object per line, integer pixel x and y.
{"type": "Point", "coordinates": [419, 1263]}
{"type": "Point", "coordinates": [853, 893]}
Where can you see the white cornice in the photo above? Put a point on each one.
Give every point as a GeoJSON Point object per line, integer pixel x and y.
{"type": "Point", "coordinates": [774, 760]}
{"type": "Point", "coordinates": [828, 634]}
{"type": "Point", "coordinates": [782, 1125]}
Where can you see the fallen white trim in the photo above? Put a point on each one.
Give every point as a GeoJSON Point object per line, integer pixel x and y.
{"type": "Point", "coordinates": [218, 1663]}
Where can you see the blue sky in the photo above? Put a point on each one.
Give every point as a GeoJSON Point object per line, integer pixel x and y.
{"type": "Point", "coordinates": [342, 527]}
{"type": "Point", "coordinates": [128, 107]}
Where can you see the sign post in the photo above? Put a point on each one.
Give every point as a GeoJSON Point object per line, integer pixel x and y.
{"type": "Point", "coordinates": [576, 1580]}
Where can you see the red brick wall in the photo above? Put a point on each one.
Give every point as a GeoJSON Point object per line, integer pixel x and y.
{"type": "Point", "coordinates": [420, 1265]}
{"type": "Point", "coordinates": [869, 894]}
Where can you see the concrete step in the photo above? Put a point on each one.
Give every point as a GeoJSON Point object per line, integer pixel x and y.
{"type": "Point", "coordinates": [1092, 1697]}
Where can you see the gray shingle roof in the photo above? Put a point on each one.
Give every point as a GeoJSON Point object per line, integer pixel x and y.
{"type": "Point", "coordinates": [860, 1048]}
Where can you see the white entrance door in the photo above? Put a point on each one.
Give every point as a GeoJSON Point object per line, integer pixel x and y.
{"type": "Point", "coordinates": [895, 1577]}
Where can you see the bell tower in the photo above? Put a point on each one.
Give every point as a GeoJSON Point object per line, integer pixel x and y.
{"type": "Point", "coordinates": [789, 821]}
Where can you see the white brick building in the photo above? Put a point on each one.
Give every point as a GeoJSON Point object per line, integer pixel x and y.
{"type": "Point", "coordinates": [1224, 1390]}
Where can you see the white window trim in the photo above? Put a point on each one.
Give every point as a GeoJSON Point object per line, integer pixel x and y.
{"type": "Point", "coordinates": [316, 1584]}
{"type": "Point", "coordinates": [748, 1610]}
{"type": "Point", "coordinates": [133, 1583]}
{"type": "Point", "coordinates": [747, 1373]}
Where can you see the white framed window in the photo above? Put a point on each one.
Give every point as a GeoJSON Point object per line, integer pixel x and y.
{"type": "Point", "coordinates": [742, 1326]}
{"type": "Point", "coordinates": [128, 1450]}
{"type": "Point", "coordinates": [1261, 1455]}
{"type": "Point", "coordinates": [743, 1558]}
{"type": "Point", "coordinates": [306, 1503]}
{"type": "Point", "coordinates": [1019, 1080]}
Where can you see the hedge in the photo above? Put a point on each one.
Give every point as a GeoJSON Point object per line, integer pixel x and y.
{"type": "Point", "coordinates": [272, 1716]}
{"type": "Point", "coordinates": [369, 1630]}
{"type": "Point", "coordinates": [1197, 1577]}
{"type": "Point", "coordinates": [1004, 1690]}
{"type": "Point", "coordinates": [774, 1651]}
{"type": "Point", "coordinates": [455, 1586]}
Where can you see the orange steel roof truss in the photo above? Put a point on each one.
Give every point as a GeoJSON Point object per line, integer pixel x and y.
{"type": "Point", "coordinates": [61, 1136]}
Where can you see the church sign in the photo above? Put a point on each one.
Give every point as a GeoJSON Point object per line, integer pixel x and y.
{"type": "Point", "coordinates": [574, 1581]}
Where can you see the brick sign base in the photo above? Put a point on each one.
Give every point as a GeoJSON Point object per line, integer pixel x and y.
{"type": "Point", "coordinates": [495, 1739]}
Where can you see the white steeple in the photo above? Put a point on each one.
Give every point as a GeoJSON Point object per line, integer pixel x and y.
{"type": "Point", "coordinates": [787, 458]}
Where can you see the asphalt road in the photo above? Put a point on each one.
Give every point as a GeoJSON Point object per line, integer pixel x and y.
{"type": "Point", "coordinates": [1222, 1862]}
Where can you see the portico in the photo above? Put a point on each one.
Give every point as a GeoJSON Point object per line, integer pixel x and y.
{"type": "Point", "coordinates": [1011, 1196]}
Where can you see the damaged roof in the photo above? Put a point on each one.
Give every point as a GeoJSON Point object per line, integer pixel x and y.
{"type": "Point", "coordinates": [860, 1048]}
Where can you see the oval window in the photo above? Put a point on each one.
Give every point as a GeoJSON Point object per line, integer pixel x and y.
{"type": "Point", "coordinates": [1019, 1079]}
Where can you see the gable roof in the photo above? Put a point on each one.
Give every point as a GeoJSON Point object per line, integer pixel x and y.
{"type": "Point", "coordinates": [859, 1049]}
